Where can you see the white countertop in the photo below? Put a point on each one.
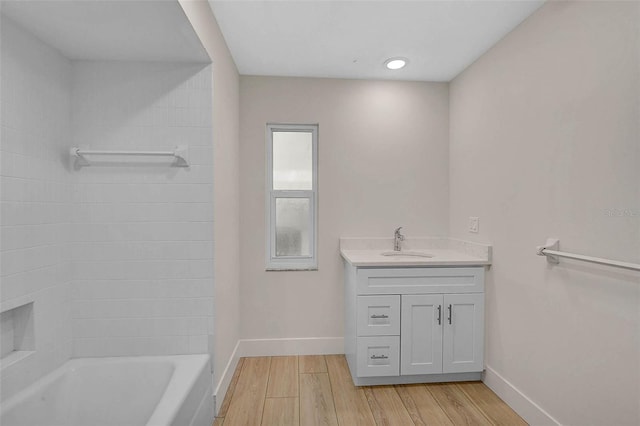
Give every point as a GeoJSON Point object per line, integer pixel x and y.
{"type": "Point", "coordinates": [444, 252]}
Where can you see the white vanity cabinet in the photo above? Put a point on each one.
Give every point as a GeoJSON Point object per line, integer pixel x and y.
{"type": "Point", "coordinates": [414, 324]}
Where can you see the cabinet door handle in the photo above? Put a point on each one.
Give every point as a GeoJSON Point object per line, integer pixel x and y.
{"type": "Point", "coordinates": [374, 316]}
{"type": "Point", "coordinates": [379, 357]}
{"type": "Point", "coordinates": [439, 314]}
{"type": "Point", "coordinates": [449, 308]}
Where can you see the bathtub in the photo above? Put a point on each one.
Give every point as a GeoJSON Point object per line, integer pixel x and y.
{"type": "Point", "coordinates": [152, 391]}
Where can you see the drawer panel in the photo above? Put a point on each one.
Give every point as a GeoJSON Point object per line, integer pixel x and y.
{"type": "Point", "coordinates": [378, 315]}
{"type": "Point", "coordinates": [420, 280]}
{"type": "Point", "coordinates": [378, 356]}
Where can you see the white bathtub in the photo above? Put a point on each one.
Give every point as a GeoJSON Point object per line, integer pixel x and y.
{"type": "Point", "coordinates": [153, 391]}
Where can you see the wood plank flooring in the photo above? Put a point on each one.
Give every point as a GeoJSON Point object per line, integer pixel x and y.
{"type": "Point", "coordinates": [317, 390]}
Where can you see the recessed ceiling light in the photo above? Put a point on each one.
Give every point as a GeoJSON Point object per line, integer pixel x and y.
{"type": "Point", "coordinates": [395, 63]}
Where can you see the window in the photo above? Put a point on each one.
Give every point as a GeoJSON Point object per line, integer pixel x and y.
{"type": "Point", "coordinates": [292, 198]}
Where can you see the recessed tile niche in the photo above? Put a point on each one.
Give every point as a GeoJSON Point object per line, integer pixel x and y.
{"type": "Point", "coordinates": [18, 340]}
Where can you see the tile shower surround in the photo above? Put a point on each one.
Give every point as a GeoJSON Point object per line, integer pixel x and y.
{"type": "Point", "coordinates": [35, 197]}
{"type": "Point", "coordinates": [117, 258]}
{"type": "Point", "coordinates": [142, 235]}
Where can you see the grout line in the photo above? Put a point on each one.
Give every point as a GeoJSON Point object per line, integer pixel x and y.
{"type": "Point", "coordinates": [266, 388]}
{"type": "Point", "coordinates": [142, 336]}
{"type": "Point", "coordinates": [439, 405]}
{"type": "Point", "coordinates": [35, 247]}
{"type": "Point", "coordinates": [136, 222]}
{"type": "Point", "coordinates": [264, 397]}
{"type": "Point", "coordinates": [473, 402]}
{"type": "Point", "coordinates": [53, 265]}
{"type": "Point", "coordinates": [395, 388]}
{"type": "Point", "coordinates": [143, 241]}
{"type": "Point", "coordinates": [370, 388]}
{"type": "Point", "coordinates": [324, 361]}
{"type": "Point", "coordinates": [299, 388]}
{"type": "Point", "coordinates": [140, 299]}
{"type": "Point", "coordinates": [333, 396]}
{"type": "Point", "coordinates": [127, 203]}
{"type": "Point", "coordinates": [128, 183]}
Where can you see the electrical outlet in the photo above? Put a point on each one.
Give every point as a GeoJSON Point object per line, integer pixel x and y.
{"type": "Point", "coordinates": [474, 224]}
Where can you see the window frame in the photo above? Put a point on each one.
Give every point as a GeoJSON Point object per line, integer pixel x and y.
{"type": "Point", "coordinates": [280, 263]}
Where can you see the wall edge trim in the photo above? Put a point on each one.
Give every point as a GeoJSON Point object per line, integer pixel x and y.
{"type": "Point", "coordinates": [225, 379]}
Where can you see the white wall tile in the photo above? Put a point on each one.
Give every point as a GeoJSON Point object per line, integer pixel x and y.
{"type": "Point", "coordinates": [143, 235]}
{"type": "Point", "coordinates": [198, 344]}
{"type": "Point", "coordinates": [142, 308]}
{"type": "Point", "coordinates": [140, 289]}
{"type": "Point", "coordinates": [36, 198]}
{"type": "Point", "coordinates": [133, 346]}
{"type": "Point", "coordinates": [141, 327]}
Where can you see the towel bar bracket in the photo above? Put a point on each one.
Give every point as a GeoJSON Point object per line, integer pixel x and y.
{"type": "Point", "coordinates": [551, 244]}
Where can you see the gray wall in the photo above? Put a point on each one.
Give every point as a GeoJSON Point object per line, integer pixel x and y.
{"type": "Point", "coordinates": [383, 163]}
{"type": "Point", "coordinates": [545, 143]}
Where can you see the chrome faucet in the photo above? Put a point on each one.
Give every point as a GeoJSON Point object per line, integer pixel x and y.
{"type": "Point", "coordinates": [397, 239]}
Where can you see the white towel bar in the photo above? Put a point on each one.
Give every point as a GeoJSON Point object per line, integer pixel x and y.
{"type": "Point", "coordinates": [181, 153]}
{"type": "Point", "coordinates": [550, 250]}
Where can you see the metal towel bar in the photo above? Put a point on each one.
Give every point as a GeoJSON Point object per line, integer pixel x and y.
{"type": "Point", "coordinates": [550, 250]}
{"type": "Point", "coordinates": [181, 153]}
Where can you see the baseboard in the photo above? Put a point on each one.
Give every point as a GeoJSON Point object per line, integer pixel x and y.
{"type": "Point", "coordinates": [291, 346]}
{"type": "Point", "coordinates": [531, 412]}
{"type": "Point", "coordinates": [225, 379]}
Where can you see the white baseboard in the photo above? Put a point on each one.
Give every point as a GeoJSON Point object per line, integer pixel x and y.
{"type": "Point", "coordinates": [291, 346]}
{"type": "Point", "coordinates": [531, 412]}
{"type": "Point", "coordinates": [225, 380]}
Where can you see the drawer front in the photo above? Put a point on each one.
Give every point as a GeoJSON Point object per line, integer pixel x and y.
{"type": "Point", "coordinates": [378, 356]}
{"type": "Point", "coordinates": [420, 280]}
{"type": "Point", "coordinates": [378, 315]}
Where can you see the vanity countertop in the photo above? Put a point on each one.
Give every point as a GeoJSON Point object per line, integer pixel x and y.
{"type": "Point", "coordinates": [364, 252]}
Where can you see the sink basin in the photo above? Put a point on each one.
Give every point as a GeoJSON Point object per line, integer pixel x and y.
{"type": "Point", "coordinates": [407, 253]}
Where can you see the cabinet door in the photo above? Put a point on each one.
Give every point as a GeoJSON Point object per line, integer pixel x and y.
{"type": "Point", "coordinates": [421, 341]}
{"type": "Point", "coordinates": [463, 345]}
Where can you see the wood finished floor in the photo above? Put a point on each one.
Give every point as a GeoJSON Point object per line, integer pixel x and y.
{"type": "Point", "coordinates": [317, 390]}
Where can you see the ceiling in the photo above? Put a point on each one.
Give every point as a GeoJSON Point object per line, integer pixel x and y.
{"type": "Point", "coordinates": [132, 30]}
{"type": "Point", "coordinates": [352, 39]}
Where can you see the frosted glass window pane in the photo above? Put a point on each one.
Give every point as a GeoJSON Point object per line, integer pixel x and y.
{"type": "Point", "coordinates": [292, 161]}
{"type": "Point", "coordinates": [292, 227]}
